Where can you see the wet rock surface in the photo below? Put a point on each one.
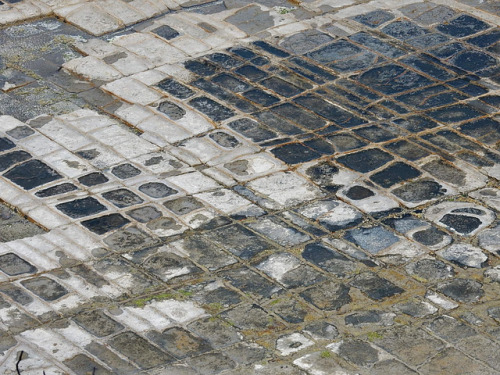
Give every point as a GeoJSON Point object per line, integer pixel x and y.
{"type": "Point", "coordinates": [225, 187]}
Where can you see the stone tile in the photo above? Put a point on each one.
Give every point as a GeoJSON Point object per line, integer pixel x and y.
{"type": "Point", "coordinates": [357, 352]}
{"type": "Point", "coordinates": [394, 174]}
{"type": "Point", "coordinates": [125, 171]}
{"type": "Point", "coordinates": [482, 348]}
{"type": "Point", "coordinates": [45, 288]}
{"type": "Point", "coordinates": [473, 61]}
{"type": "Point", "coordinates": [299, 116]}
{"type": "Point", "coordinates": [7, 342]}
{"type": "Point", "coordinates": [437, 14]}
{"type": "Point", "coordinates": [322, 363]}
{"type": "Point", "coordinates": [305, 41]}
{"type": "Point", "coordinates": [328, 296]}
{"type": "Point", "coordinates": [461, 290]}
{"type": "Point", "coordinates": [410, 345]}
{"type": "Point", "coordinates": [493, 312]}
{"type": "Point", "coordinates": [420, 191]}
{"type": "Point", "coordinates": [377, 133]}
{"type": "Point", "coordinates": [224, 139]}
{"type": "Point", "coordinates": [31, 174]}
{"type": "Point", "coordinates": [453, 361]}
{"type": "Point", "coordinates": [98, 323]}
{"type": "Point", "coordinates": [111, 359]}
{"type": "Point", "coordinates": [6, 144]}
{"type": "Point", "coordinates": [18, 322]}
{"type": "Point", "coordinates": [333, 215]}
{"type": "Point", "coordinates": [129, 239]}
{"type": "Point", "coordinates": [56, 190]}
{"type": "Point", "coordinates": [429, 40]}
{"type": "Point", "coordinates": [92, 179]}
{"type": "Point", "coordinates": [82, 364]}
{"type": "Point", "coordinates": [378, 45]}
{"type": "Point", "coordinates": [9, 159]}
{"type": "Point", "coordinates": [462, 25]}
{"type": "Point", "coordinates": [462, 218]}
{"type": "Point", "coordinates": [393, 79]}
{"type": "Point", "coordinates": [441, 301]}
{"type": "Point", "coordinates": [430, 270]}
{"type": "Point", "coordinates": [104, 224]}
{"type": "Point", "coordinates": [329, 260]}
{"type": "Point", "coordinates": [403, 30]}
{"type": "Point", "coordinates": [375, 287]}
{"type": "Point", "coordinates": [488, 239]}
{"type": "Point", "coordinates": [370, 317]}
{"type": "Point", "coordinates": [194, 182]}
{"type": "Point", "coordinates": [277, 123]}
{"type": "Point", "coordinates": [215, 296]}
{"type": "Point", "coordinates": [375, 18]}
{"type": "Point", "coordinates": [391, 366]}
{"type": "Point", "coordinates": [81, 207]}
{"type": "Point", "coordinates": [205, 253]}
{"type": "Point", "coordinates": [304, 224]}
{"type": "Point", "coordinates": [369, 200]}
{"type": "Point", "coordinates": [485, 39]}
{"type": "Point", "coordinates": [493, 274]}
{"type": "Point", "coordinates": [245, 354]}
{"type": "Point", "coordinates": [93, 69]}
{"type": "Point", "coordinates": [311, 90]}
{"type": "Point", "coordinates": [365, 161]}
{"type": "Point", "coordinates": [450, 329]}
{"type": "Point", "coordinates": [455, 113]}
{"type": "Point", "coordinates": [488, 196]}
{"type": "Point", "coordinates": [291, 311]}
{"type": "Point", "coordinates": [321, 330]}
{"type": "Point", "coordinates": [13, 265]}
{"type": "Point", "coordinates": [449, 173]}
{"type": "Point", "coordinates": [330, 112]}
{"type": "Point", "coordinates": [20, 228]}
{"type": "Point", "coordinates": [166, 32]}
{"type": "Point", "coordinates": [250, 282]}
{"type": "Point", "coordinates": [295, 153]}
{"type": "Point", "coordinates": [226, 201]}
{"type": "Point", "coordinates": [184, 205]}
{"type": "Point", "coordinates": [288, 270]}
{"type": "Point", "coordinates": [224, 60]}
{"type": "Point", "coordinates": [251, 318]}
{"type": "Point", "coordinates": [175, 88]}
{"type": "Point", "coordinates": [292, 343]}
{"type": "Point", "coordinates": [169, 266]}
{"type": "Point", "coordinates": [132, 91]}
{"type": "Point", "coordinates": [212, 363]}
{"type": "Point", "coordinates": [464, 255]}
{"type": "Point", "coordinates": [179, 342]}
{"type": "Point", "coordinates": [157, 190]}
{"type": "Point", "coordinates": [261, 97]}
{"type": "Point", "coordinates": [260, 19]}
{"type": "Point", "coordinates": [252, 130]}
{"type": "Point", "coordinates": [172, 110]}
{"type": "Point", "coordinates": [212, 109]}
{"type": "Point", "coordinates": [90, 275]}
{"type": "Point", "coordinates": [17, 294]}
{"type": "Point", "coordinates": [328, 175]}
{"type": "Point", "coordinates": [139, 350]}
{"type": "Point", "coordinates": [337, 50]}
{"type": "Point", "coordinates": [270, 49]}
{"type": "Point", "coordinates": [373, 240]}
{"type": "Point", "coordinates": [239, 241]}
{"type": "Point", "coordinates": [279, 232]}
{"type": "Point", "coordinates": [219, 333]}
{"type": "Point", "coordinates": [122, 198]}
